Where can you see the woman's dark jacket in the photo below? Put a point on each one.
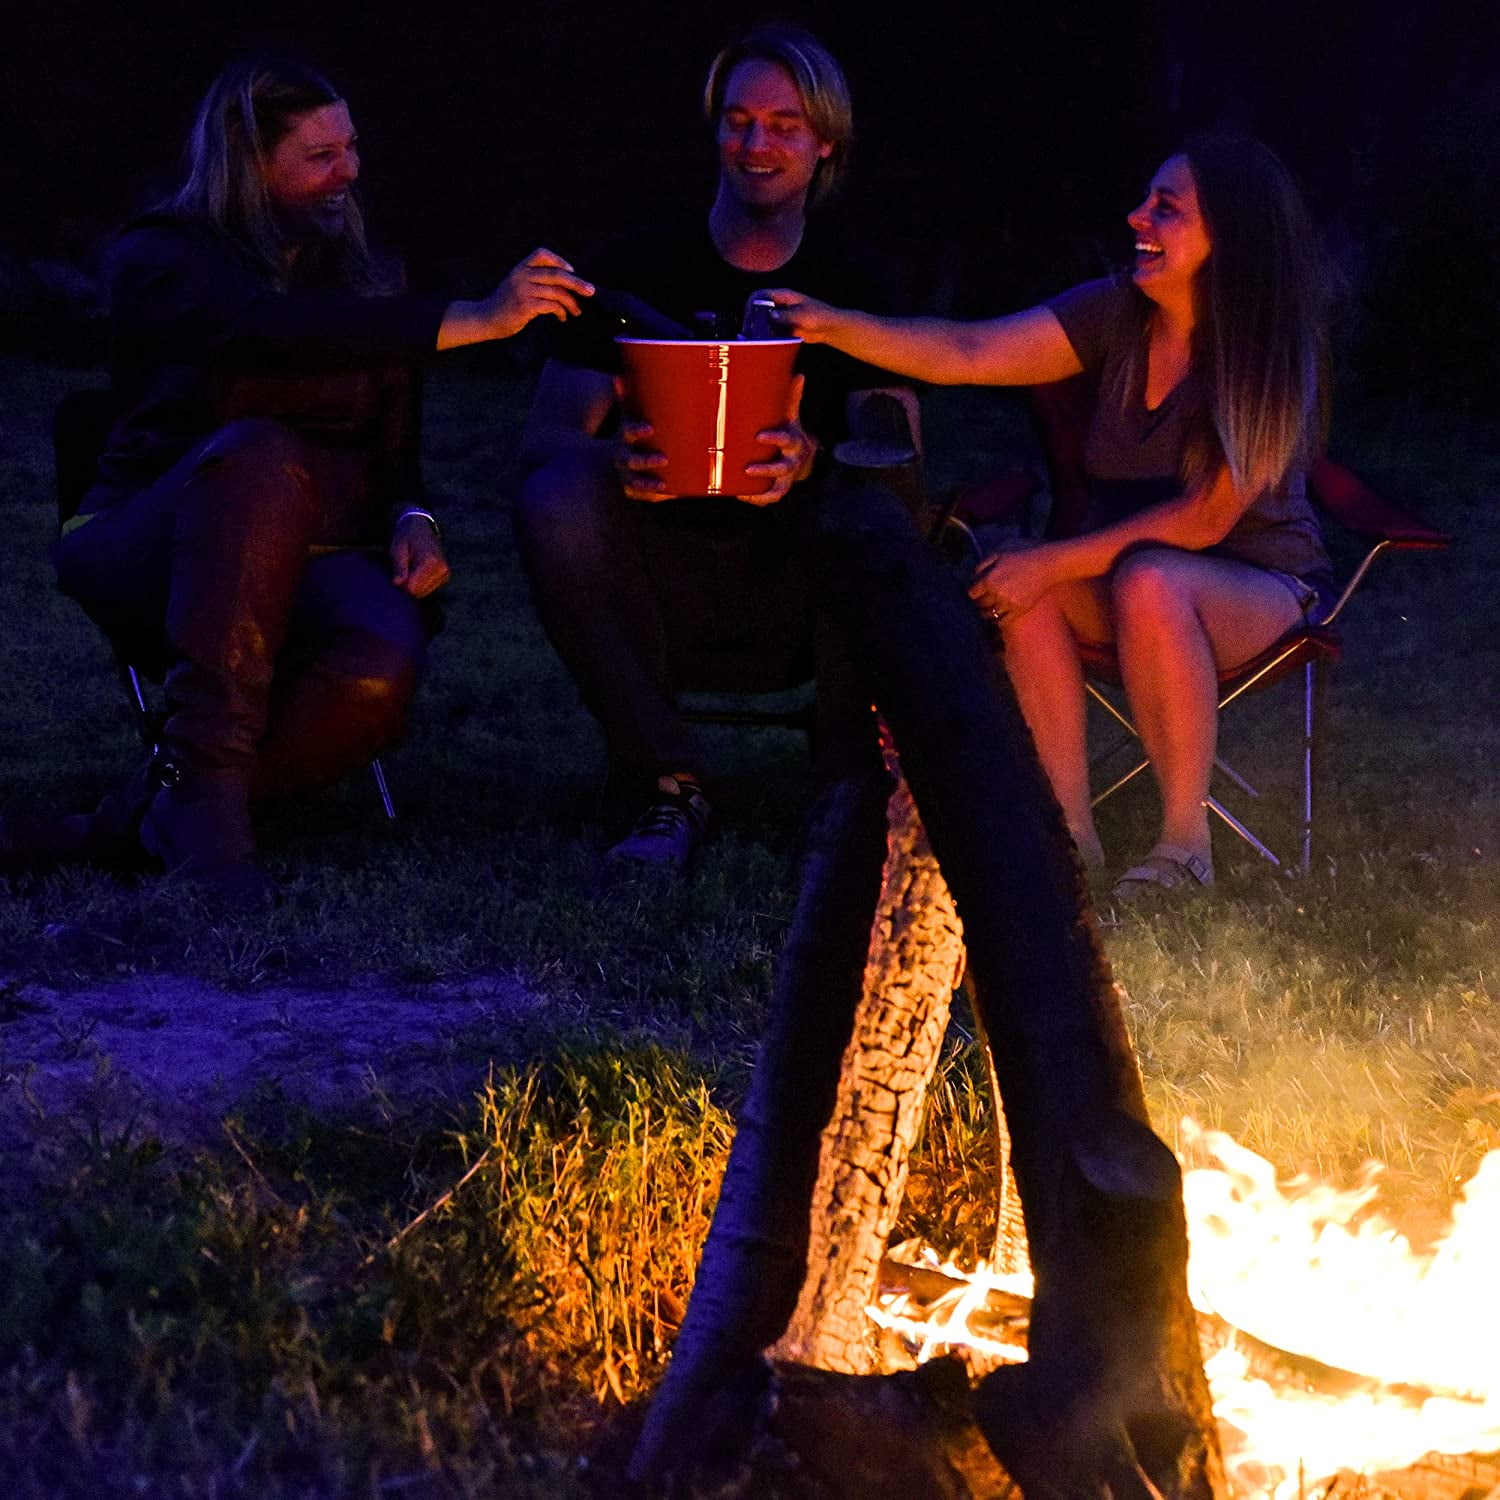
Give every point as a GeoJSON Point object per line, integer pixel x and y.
{"type": "Point", "coordinates": [201, 338]}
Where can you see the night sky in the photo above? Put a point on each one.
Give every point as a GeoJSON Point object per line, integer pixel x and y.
{"type": "Point", "coordinates": [999, 145]}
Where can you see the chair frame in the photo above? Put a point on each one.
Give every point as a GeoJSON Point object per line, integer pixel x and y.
{"type": "Point", "coordinates": [80, 429]}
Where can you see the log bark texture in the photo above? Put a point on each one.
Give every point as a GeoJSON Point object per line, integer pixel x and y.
{"type": "Point", "coordinates": [1113, 1395]}
{"type": "Point", "coordinates": [914, 962]}
{"type": "Point", "coordinates": [754, 1260]}
{"type": "Point", "coordinates": [1112, 1401]}
{"type": "Point", "coordinates": [895, 1437]}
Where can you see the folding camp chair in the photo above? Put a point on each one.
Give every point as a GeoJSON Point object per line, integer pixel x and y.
{"type": "Point", "coordinates": [80, 430]}
{"type": "Point", "coordinates": [1061, 414]}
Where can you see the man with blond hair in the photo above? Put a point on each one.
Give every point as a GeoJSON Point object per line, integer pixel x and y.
{"type": "Point", "coordinates": [643, 593]}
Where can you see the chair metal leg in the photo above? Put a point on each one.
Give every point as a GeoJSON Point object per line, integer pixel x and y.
{"type": "Point", "coordinates": [1313, 676]}
{"type": "Point", "coordinates": [1132, 735]}
{"type": "Point", "coordinates": [1215, 806]}
{"type": "Point", "coordinates": [148, 722]}
{"type": "Point", "coordinates": [133, 687]}
{"type": "Point", "coordinates": [1115, 786]}
{"type": "Point", "coordinates": [1229, 771]}
{"type": "Point", "coordinates": [383, 788]}
{"type": "Point", "coordinates": [1112, 709]}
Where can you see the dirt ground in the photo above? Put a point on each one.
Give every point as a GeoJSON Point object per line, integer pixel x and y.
{"type": "Point", "coordinates": [173, 1056]}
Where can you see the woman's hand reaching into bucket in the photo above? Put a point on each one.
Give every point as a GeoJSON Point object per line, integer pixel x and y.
{"type": "Point", "coordinates": [798, 316]}
{"type": "Point", "coordinates": [542, 285]}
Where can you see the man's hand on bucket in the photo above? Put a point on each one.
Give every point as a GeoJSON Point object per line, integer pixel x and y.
{"type": "Point", "coordinates": [797, 451]}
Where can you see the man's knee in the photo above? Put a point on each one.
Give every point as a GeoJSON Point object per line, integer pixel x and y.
{"type": "Point", "coordinates": [562, 511]}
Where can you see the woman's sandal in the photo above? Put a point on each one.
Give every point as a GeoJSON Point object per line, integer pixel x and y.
{"type": "Point", "coordinates": [1166, 871]}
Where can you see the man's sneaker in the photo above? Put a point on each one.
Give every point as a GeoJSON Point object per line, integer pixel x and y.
{"type": "Point", "coordinates": [665, 835]}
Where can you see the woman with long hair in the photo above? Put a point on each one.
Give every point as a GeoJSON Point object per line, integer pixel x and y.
{"type": "Point", "coordinates": [1199, 548]}
{"type": "Point", "coordinates": [257, 526]}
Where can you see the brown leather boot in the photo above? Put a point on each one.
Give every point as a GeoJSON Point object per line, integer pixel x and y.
{"type": "Point", "coordinates": [108, 837]}
{"type": "Point", "coordinates": [198, 825]}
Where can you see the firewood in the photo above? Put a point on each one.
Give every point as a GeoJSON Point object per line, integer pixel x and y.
{"type": "Point", "coordinates": [915, 959]}
{"type": "Point", "coordinates": [1115, 1372]}
{"type": "Point", "coordinates": [898, 1436]}
{"type": "Point", "coordinates": [1112, 1401]}
{"type": "Point", "coordinates": [755, 1258]}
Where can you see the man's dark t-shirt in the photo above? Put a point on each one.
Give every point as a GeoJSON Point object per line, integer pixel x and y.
{"type": "Point", "coordinates": [734, 582]}
{"type": "Point", "coordinates": [681, 273]}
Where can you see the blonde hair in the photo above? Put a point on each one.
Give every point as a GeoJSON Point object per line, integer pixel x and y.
{"type": "Point", "coordinates": [819, 81]}
{"type": "Point", "coordinates": [248, 109]}
{"type": "Point", "coordinates": [1260, 326]}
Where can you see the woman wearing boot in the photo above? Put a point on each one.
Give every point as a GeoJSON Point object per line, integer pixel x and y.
{"type": "Point", "coordinates": [257, 525]}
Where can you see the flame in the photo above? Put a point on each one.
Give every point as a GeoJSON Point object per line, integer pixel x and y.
{"type": "Point", "coordinates": [1410, 1339]}
{"type": "Point", "coordinates": [1312, 1271]}
{"type": "Point", "coordinates": [944, 1324]}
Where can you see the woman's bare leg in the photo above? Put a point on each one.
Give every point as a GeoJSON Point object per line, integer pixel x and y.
{"type": "Point", "coordinates": [1041, 658]}
{"type": "Point", "coordinates": [1180, 617]}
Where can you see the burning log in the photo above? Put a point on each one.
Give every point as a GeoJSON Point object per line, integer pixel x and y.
{"type": "Point", "coordinates": [1002, 1313]}
{"type": "Point", "coordinates": [1114, 1384]}
{"type": "Point", "coordinates": [953, 1312]}
{"type": "Point", "coordinates": [1112, 1400]}
{"type": "Point", "coordinates": [897, 1436]}
{"type": "Point", "coordinates": [915, 960]}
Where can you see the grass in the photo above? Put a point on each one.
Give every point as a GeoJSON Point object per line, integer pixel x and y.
{"type": "Point", "coordinates": [267, 1315]}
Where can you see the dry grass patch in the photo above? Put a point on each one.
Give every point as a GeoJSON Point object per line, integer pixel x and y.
{"type": "Point", "coordinates": [579, 1235]}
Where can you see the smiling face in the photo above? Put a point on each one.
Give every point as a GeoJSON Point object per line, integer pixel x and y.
{"type": "Point", "coordinates": [1171, 237]}
{"type": "Point", "coordinates": [768, 150]}
{"type": "Point", "coordinates": [309, 171]}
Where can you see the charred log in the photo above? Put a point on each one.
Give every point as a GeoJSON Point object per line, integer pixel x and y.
{"type": "Point", "coordinates": [1114, 1387]}
{"type": "Point", "coordinates": [755, 1257]}
{"type": "Point", "coordinates": [897, 1436]}
{"type": "Point", "coordinates": [1112, 1401]}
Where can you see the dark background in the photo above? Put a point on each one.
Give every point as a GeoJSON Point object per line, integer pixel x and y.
{"type": "Point", "coordinates": [999, 146]}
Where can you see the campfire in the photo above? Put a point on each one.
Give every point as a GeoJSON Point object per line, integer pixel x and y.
{"type": "Point", "coordinates": [1337, 1354]}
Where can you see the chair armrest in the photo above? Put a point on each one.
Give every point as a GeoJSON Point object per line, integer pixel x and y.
{"type": "Point", "coordinates": [885, 429]}
{"type": "Point", "coordinates": [1359, 509]}
{"type": "Point", "coordinates": [998, 498]}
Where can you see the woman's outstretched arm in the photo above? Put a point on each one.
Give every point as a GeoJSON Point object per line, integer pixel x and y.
{"type": "Point", "coordinates": [542, 285]}
{"type": "Point", "coordinates": [1026, 348]}
{"type": "Point", "coordinates": [179, 291]}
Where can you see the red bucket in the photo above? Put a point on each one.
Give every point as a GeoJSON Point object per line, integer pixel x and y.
{"type": "Point", "coordinates": [706, 402]}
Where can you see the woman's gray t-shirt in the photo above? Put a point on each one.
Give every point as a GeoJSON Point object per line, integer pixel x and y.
{"type": "Point", "coordinates": [1133, 456]}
